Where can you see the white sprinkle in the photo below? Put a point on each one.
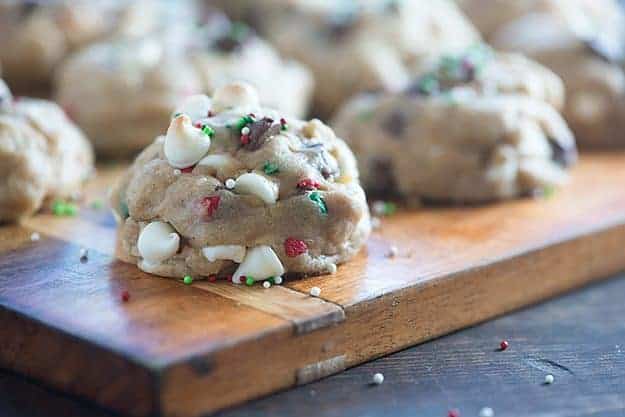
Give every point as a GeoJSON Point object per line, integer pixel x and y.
{"type": "Point", "coordinates": [332, 269]}
{"type": "Point", "coordinates": [177, 171]}
{"type": "Point", "coordinates": [35, 237]}
{"type": "Point", "coordinates": [549, 379]}
{"type": "Point", "coordinates": [83, 254]}
{"type": "Point", "coordinates": [375, 222]}
{"type": "Point", "coordinates": [377, 379]}
{"type": "Point", "coordinates": [245, 131]}
{"type": "Point", "coordinates": [392, 252]}
{"type": "Point", "coordinates": [487, 412]}
{"type": "Point", "coordinates": [315, 291]}
{"type": "Point", "coordinates": [379, 207]}
{"type": "Point", "coordinates": [266, 284]}
{"type": "Point", "coordinates": [230, 183]}
{"type": "Point", "coordinates": [278, 280]}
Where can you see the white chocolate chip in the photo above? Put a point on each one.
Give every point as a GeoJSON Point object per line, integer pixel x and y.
{"type": "Point", "coordinates": [260, 263]}
{"type": "Point", "coordinates": [185, 145]}
{"type": "Point", "coordinates": [237, 94]}
{"type": "Point", "coordinates": [157, 242]}
{"type": "Point", "coordinates": [257, 185]}
{"type": "Point", "coordinates": [230, 183]}
{"type": "Point", "coordinates": [234, 253]}
{"type": "Point", "coordinates": [196, 107]}
{"type": "Point", "coordinates": [266, 284]}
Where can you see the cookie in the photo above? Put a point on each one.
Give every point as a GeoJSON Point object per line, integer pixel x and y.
{"type": "Point", "coordinates": [240, 191]}
{"type": "Point", "coordinates": [43, 156]}
{"type": "Point", "coordinates": [134, 84]}
{"type": "Point", "coordinates": [463, 133]}
{"type": "Point", "coordinates": [589, 56]}
{"type": "Point", "coordinates": [359, 45]}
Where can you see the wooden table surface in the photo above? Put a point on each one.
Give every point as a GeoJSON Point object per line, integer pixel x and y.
{"type": "Point", "coordinates": [579, 338]}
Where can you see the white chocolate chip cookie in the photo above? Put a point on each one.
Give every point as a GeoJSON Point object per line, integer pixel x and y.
{"type": "Point", "coordinates": [42, 155]}
{"type": "Point", "coordinates": [263, 195]}
{"type": "Point", "coordinates": [466, 132]}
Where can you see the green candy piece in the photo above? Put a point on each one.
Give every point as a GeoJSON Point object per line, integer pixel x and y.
{"type": "Point", "coordinates": [70, 209]}
{"type": "Point", "coordinates": [249, 281]}
{"type": "Point", "coordinates": [389, 208]}
{"type": "Point", "coordinates": [270, 168]}
{"type": "Point", "coordinates": [208, 131]}
{"type": "Point", "coordinates": [316, 197]}
{"type": "Point", "coordinates": [187, 280]}
{"type": "Point", "coordinates": [244, 121]}
{"type": "Point", "coordinates": [429, 84]}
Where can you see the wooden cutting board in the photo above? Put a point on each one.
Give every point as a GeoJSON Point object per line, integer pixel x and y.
{"type": "Point", "coordinates": [178, 350]}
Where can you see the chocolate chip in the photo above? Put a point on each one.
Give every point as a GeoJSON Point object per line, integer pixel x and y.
{"type": "Point", "coordinates": [395, 123]}
{"type": "Point", "coordinates": [565, 156]}
{"type": "Point", "coordinates": [260, 131]}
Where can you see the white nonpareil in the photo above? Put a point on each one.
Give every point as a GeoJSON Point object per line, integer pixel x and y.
{"type": "Point", "coordinates": [196, 107]}
{"type": "Point", "coordinates": [237, 94]}
{"type": "Point", "coordinates": [260, 263]}
{"type": "Point", "coordinates": [157, 242]}
{"type": "Point", "coordinates": [257, 185]}
{"type": "Point", "coordinates": [185, 145]}
{"type": "Point", "coordinates": [234, 253]}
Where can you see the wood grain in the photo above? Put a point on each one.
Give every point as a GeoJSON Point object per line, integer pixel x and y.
{"type": "Point", "coordinates": [202, 347]}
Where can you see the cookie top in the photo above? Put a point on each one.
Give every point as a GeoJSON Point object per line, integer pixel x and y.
{"type": "Point", "coordinates": [236, 182]}
{"type": "Point", "coordinates": [42, 155]}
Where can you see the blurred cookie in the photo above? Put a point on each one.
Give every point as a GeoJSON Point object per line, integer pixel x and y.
{"type": "Point", "coordinates": [238, 190]}
{"type": "Point", "coordinates": [134, 84]}
{"type": "Point", "coordinates": [42, 155]}
{"type": "Point", "coordinates": [471, 130]}
{"type": "Point", "coordinates": [360, 45]}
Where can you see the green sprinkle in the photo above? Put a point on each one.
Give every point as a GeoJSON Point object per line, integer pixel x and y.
{"type": "Point", "coordinates": [284, 127]}
{"type": "Point", "coordinates": [244, 121]}
{"type": "Point", "coordinates": [61, 208]}
{"type": "Point", "coordinates": [389, 208]}
{"type": "Point", "coordinates": [187, 280]}
{"type": "Point", "coordinates": [428, 84]}
{"type": "Point", "coordinates": [270, 168]}
{"type": "Point", "coordinates": [249, 281]}
{"type": "Point", "coordinates": [97, 204]}
{"type": "Point", "coordinates": [549, 192]}
{"type": "Point", "coordinates": [316, 197]}
{"type": "Point", "coordinates": [272, 280]}
{"type": "Point", "coordinates": [70, 209]}
{"type": "Point", "coordinates": [177, 115]}
{"type": "Point", "coordinates": [123, 210]}
{"type": "Point", "coordinates": [208, 131]}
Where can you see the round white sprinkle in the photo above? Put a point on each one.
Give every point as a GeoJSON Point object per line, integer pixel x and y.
{"type": "Point", "coordinates": [177, 172]}
{"type": "Point", "coordinates": [315, 291]}
{"type": "Point", "coordinates": [549, 379]}
{"type": "Point", "coordinates": [377, 379]}
{"type": "Point", "coordinates": [83, 254]}
{"type": "Point", "coordinates": [378, 207]}
{"type": "Point", "coordinates": [230, 183]}
{"type": "Point", "coordinates": [375, 222]}
{"type": "Point", "coordinates": [266, 284]}
{"type": "Point", "coordinates": [278, 280]}
{"type": "Point", "coordinates": [245, 131]}
{"type": "Point", "coordinates": [392, 252]}
{"type": "Point", "coordinates": [332, 269]}
{"type": "Point", "coordinates": [35, 237]}
{"type": "Point", "coordinates": [487, 412]}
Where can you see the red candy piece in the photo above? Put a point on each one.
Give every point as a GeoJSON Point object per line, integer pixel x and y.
{"type": "Point", "coordinates": [245, 139]}
{"type": "Point", "coordinates": [212, 278]}
{"type": "Point", "coordinates": [211, 203]}
{"type": "Point", "coordinates": [308, 184]}
{"type": "Point", "coordinates": [294, 247]}
{"type": "Point", "coordinates": [454, 413]}
{"type": "Point", "coordinates": [125, 296]}
{"type": "Point", "coordinates": [504, 345]}
{"type": "Point", "coordinates": [187, 169]}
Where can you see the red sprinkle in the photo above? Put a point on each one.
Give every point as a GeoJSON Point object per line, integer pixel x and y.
{"type": "Point", "coordinates": [125, 296]}
{"type": "Point", "coordinates": [308, 184]}
{"type": "Point", "coordinates": [282, 121]}
{"type": "Point", "coordinates": [212, 278]}
{"type": "Point", "coordinates": [187, 169]}
{"type": "Point", "coordinates": [504, 345]}
{"type": "Point", "coordinates": [210, 113]}
{"type": "Point", "coordinates": [294, 247]}
{"type": "Point", "coordinates": [245, 139]}
{"type": "Point", "coordinates": [197, 125]}
{"type": "Point", "coordinates": [211, 203]}
{"type": "Point", "coordinates": [453, 413]}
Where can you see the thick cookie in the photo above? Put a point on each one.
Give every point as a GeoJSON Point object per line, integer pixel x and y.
{"type": "Point", "coordinates": [134, 85]}
{"type": "Point", "coordinates": [237, 190]}
{"type": "Point", "coordinates": [360, 45]}
{"type": "Point", "coordinates": [42, 155]}
{"type": "Point", "coordinates": [464, 133]}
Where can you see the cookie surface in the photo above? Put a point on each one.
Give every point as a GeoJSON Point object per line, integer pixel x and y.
{"type": "Point", "coordinates": [42, 155]}
{"type": "Point", "coordinates": [237, 190]}
{"type": "Point", "coordinates": [464, 133]}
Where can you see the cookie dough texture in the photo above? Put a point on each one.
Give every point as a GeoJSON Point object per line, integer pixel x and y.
{"type": "Point", "coordinates": [35, 36]}
{"type": "Point", "coordinates": [133, 85]}
{"type": "Point", "coordinates": [263, 194]}
{"type": "Point", "coordinates": [584, 43]}
{"type": "Point", "coordinates": [463, 143]}
{"type": "Point", "coordinates": [42, 155]}
{"type": "Point", "coordinates": [361, 45]}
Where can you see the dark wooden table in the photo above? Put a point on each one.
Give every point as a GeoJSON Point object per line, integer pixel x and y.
{"type": "Point", "coordinates": [579, 338]}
